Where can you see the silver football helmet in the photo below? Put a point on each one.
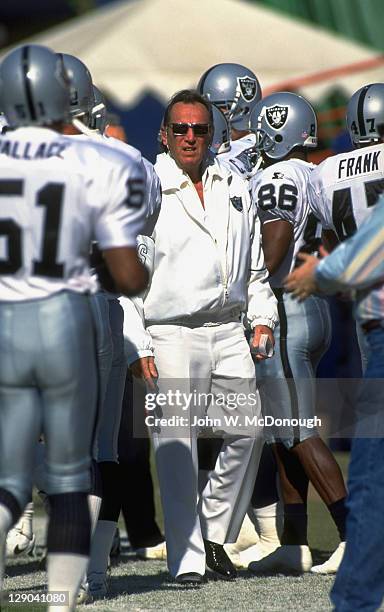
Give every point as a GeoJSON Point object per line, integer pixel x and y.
{"type": "Point", "coordinates": [221, 136]}
{"type": "Point", "coordinates": [283, 121]}
{"type": "Point", "coordinates": [365, 113]}
{"type": "Point", "coordinates": [234, 89]}
{"type": "Point", "coordinates": [98, 118]}
{"type": "Point", "coordinates": [34, 87]}
{"type": "Point", "coordinates": [82, 99]}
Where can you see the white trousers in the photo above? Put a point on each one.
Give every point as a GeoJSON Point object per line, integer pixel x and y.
{"type": "Point", "coordinates": [204, 360]}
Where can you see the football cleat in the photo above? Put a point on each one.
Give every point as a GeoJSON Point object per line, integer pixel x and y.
{"type": "Point", "coordinates": [83, 595]}
{"type": "Point", "coordinates": [97, 585]}
{"type": "Point", "coordinates": [285, 559]}
{"type": "Point", "coordinates": [247, 538]}
{"type": "Point", "coordinates": [20, 543]}
{"type": "Point", "coordinates": [158, 552]}
{"type": "Point", "coordinates": [332, 565]}
{"type": "Point", "coordinates": [256, 552]}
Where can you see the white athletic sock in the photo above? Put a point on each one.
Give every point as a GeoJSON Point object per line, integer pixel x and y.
{"type": "Point", "coordinates": [25, 521]}
{"type": "Point", "coordinates": [5, 525]}
{"type": "Point", "coordinates": [268, 522]}
{"type": "Point", "coordinates": [65, 571]}
{"type": "Point", "coordinates": [94, 504]}
{"type": "Point", "coordinates": [101, 546]}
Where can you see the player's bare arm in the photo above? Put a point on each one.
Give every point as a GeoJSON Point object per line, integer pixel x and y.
{"type": "Point", "coordinates": [129, 274]}
{"type": "Point", "coordinates": [277, 236]}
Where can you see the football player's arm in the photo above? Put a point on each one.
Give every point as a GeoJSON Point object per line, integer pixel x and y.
{"type": "Point", "coordinates": [277, 238]}
{"type": "Point", "coordinates": [261, 315]}
{"type": "Point", "coordinates": [129, 274]}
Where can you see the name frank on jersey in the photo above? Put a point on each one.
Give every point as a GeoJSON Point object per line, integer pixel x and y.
{"type": "Point", "coordinates": [367, 162]}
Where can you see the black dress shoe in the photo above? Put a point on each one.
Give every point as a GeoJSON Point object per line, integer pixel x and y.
{"type": "Point", "coordinates": [192, 578]}
{"type": "Point", "coordinates": [218, 561]}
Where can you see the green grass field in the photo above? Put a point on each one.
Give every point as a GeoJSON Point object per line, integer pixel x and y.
{"type": "Point", "coordinates": [146, 585]}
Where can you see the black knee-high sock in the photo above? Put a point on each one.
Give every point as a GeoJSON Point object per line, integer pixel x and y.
{"type": "Point", "coordinates": [69, 529]}
{"type": "Point", "coordinates": [111, 486]}
{"type": "Point", "coordinates": [295, 524]}
{"type": "Point", "coordinates": [339, 513]}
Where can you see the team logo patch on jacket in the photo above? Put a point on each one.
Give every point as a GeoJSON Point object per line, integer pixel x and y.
{"type": "Point", "coordinates": [248, 88]}
{"type": "Point", "coordinates": [277, 116]}
{"type": "Point", "coordinates": [237, 203]}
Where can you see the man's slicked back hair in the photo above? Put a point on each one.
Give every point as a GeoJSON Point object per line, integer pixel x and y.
{"type": "Point", "coordinates": [187, 96]}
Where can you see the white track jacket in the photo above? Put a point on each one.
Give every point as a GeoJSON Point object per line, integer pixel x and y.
{"type": "Point", "coordinates": [204, 262]}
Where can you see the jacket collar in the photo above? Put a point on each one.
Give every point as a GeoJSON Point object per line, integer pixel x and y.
{"type": "Point", "coordinates": [174, 178]}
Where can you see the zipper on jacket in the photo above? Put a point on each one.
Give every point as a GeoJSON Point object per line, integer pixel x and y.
{"type": "Point", "coordinates": [223, 274]}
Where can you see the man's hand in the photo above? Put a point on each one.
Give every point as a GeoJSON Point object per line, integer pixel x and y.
{"type": "Point", "coordinates": [257, 332]}
{"type": "Point", "coordinates": [302, 281]}
{"type": "Point", "coordinates": [145, 369]}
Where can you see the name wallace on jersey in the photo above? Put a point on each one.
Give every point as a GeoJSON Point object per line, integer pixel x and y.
{"type": "Point", "coordinates": [30, 150]}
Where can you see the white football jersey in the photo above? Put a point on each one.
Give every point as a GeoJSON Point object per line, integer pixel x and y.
{"type": "Point", "coordinates": [57, 194]}
{"type": "Point", "coordinates": [152, 181]}
{"type": "Point", "coordinates": [242, 158]}
{"type": "Point", "coordinates": [280, 192]}
{"type": "Point", "coordinates": [344, 187]}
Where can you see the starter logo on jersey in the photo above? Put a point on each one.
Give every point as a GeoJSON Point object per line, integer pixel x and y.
{"type": "Point", "coordinates": [277, 116]}
{"type": "Point", "coordinates": [237, 203]}
{"type": "Point", "coordinates": [277, 175]}
{"type": "Point", "coordinates": [248, 87]}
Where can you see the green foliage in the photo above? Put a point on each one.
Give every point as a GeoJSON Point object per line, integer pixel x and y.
{"type": "Point", "coordinates": [82, 6]}
{"type": "Point", "coordinates": [359, 20]}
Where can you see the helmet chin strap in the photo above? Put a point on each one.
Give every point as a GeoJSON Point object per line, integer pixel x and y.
{"type": "Point", "coordinates": [79, 125]}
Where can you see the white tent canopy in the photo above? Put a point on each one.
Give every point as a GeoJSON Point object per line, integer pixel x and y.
{"type": "Point", "coordinates": [165, 45]}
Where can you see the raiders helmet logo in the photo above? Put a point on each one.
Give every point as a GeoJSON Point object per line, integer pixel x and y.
{"type": "Point", "coordinates": [276, 116]}
{"type": "Point", "coordinates": [237, 203]}
{"type": "Point", "coordinates": [248, 88]}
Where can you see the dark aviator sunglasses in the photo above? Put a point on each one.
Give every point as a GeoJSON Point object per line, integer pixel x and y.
{"type": "Point", "coordinates": [199, 129]}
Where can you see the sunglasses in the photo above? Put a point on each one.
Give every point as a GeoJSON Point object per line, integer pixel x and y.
{"type": "Point", "coordinates": [199, 129]}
